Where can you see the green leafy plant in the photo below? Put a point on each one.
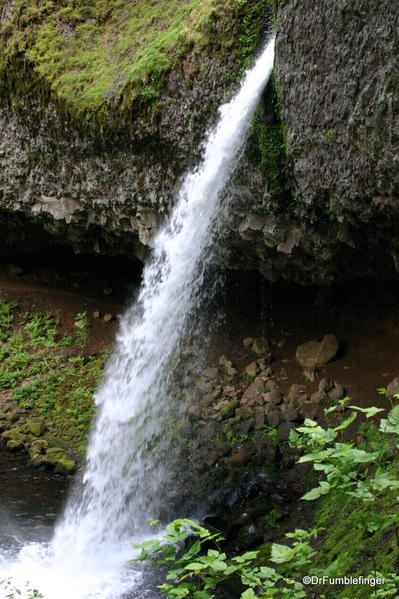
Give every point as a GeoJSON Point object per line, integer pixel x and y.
{"type": "Point", "coordinates": [12, 592]}
{"type": "Point", "coordinates": [6, 319]}
{"type": "Point", "coordinates": [366, 474]}
{"type": "Point", "coordinates": [197, 565]}
{"type": "Point", "coordinates": [82, 326]}
{"type": "Point", "coordinates": [42, 329]}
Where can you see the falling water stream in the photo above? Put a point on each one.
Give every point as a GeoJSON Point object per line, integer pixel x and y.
{"type": "Point", "coordinates": [123, 479]}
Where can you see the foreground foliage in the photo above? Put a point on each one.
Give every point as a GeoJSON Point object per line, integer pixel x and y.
{"type": "Point", "coordinates": [365, 474]}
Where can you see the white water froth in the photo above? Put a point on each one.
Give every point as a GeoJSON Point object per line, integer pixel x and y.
{"type": "Point", "coordinates": [123, 480]}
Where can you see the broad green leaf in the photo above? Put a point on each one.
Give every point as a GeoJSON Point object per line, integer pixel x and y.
{"type": "Point", "coordinates": [315, 493]}
{"type": "Point", "coordinates": [248, 594]}
{"type": "Point", "coordinates": [370, 412]}
{"type": "Point", "coordinates": [196, 566]}
{"type": "Point", "coordinates": [218, 566]}
{"type": "Point", "coordinates": [281, 554]}
{"type": "Point", "coordinates": [347, 422]}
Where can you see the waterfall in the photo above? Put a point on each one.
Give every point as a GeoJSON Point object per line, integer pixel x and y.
{"type": "Point", "coordinates": [122, 483]}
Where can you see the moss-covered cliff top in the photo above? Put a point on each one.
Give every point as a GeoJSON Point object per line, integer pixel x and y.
{"type": "Point", "coordinates": [94, 53]}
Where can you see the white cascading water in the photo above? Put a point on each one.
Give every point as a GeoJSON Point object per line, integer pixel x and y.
{"type": "Point", "coordinates": [123, 481]}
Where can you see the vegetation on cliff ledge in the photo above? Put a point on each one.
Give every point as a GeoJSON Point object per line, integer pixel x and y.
{"type": "Point", "coordinates": [102, 53]}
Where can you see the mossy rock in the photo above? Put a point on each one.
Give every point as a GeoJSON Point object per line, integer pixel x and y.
{"type": "Point", "coordinates": [55, 455]}
{"type": "Point", "coordinates": [228, 410]}
{"type": "Point", "coordinates": [15, 444]}
{"type": "Point", "coordinates": [39, 460]}
{"type": "Point", "coordinates": [13, 434]}
{"type": "Point", "coordinates": [34, 427]}
{"type": "Point", "coordinates": [37, 448]}
{"type": "Point", "coordinates": [65, 466]}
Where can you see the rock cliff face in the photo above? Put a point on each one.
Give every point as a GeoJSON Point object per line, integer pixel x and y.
{"type": "Point", "coordinates": [316, 196]}
{"type": "Point", "coordinates": [336, 77]}
{"type": "Point", "coordinates": [99, 171]}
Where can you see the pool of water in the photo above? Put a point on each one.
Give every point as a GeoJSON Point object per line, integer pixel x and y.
{"type": "Point", "coordinates": [31, 500]}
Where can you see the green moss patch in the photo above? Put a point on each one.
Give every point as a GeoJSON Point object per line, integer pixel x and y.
{"type": "Point", "coordinates": [96, 53]}
{"type": "Point", "coordinates": [48, 373]}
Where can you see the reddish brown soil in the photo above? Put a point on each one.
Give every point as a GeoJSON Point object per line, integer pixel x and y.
{"type": "Point", "coordinates": [363, 316]}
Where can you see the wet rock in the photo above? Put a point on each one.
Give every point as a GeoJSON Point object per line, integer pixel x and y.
{"type": "Point", "coordinates": [228, 410]}
{"type": "Point", "coordinates": [284, 429]}
{"type": "Point", "coordinates": [211, 373]}
{"type": "Point", "coordinates": [317, 353]}
{"type": "Point", "coordinates": [253, 393]}
{"type": "Point", "coordinates": [272, 393]}
{"type": "Point", "coordinates": [318, 397]}
{"type": "Point", "coordinates": [260, 346]}
{"type": "Point", "coordinates": [55, 454]}
{"type": "Point", "coordinates": [325, 385]}
{"type": "Point", "coordinates": [296, 394]}
{"type": "Point", "coordinates": [14, 434]}
{"type": "Point", "coordinates": [239, 458]}
{"type": "Point", "coordinates": [228, 366]}
{"type": "Point", "coordinates": [39, 460]}
{"type": "Point", "coordinates": [34, 428]}
{"type": "Point", "coordinates": [65, 466]}
{"type": "Point", "coordinates": [337, 392]}
{"type": "Point", "coordinates": [393, 387]}
{"type": "Point", "coordinates": [272, 415]}
{"type": "Point", "coordinates": [15, 444]}
{"type": "Point", "coordinates": [259, 418]}
{"type": "Point", "coordinates": [288, 412]}
{"type": "Point", "coordinates": [251, 370]}
{"type": "Point", "coordinates": [108, 317]}
{"type": "Point", "coordinates": [37, 447]}
{"type": "Point", "coordinates": [310, 409]}
{"type": "Point", "coordinates": [244, 411]}
{"type": "Point", "coordinates": [194, 413]}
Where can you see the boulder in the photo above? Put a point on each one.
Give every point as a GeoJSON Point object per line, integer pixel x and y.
{"type": "Point", "coordinates": [284, 429]}
{"type": "Point", "coordinates": [65, 466]}
{"type": "Point", "coordinates": [253, 393]}
{"type": "Point", "coordinates": [239, 458]}
{"type": "Point", "coordinates": [244, 411]}
{"type": "Point", "coordinates": [211, 373]}
{"type": "Point", "coordinates": [310, 409]}
{"type": "Point", "coordinates": [194, 413]}
{"type": "Point", "coordinates": [393, 387]}
{"type": "Point", "coordinates": [337, 392]}
{"type": "Point", "coordinates": [55, 454]}
{"type": "Point", "coordinates": [260, 346]}
{"type": "Point", "coordinates": [15, 444]}
{"type": "Point", "coordinates": [272, 415]}
{"type": "Point", "coordinates": [228, 410]}
{"type": "Point", "coordinates": [317, 353]}
{"type": "Point", "coordinates": [259, 418]}
{"type": "Point", "coordinates": [251, 370]}
{"type": "Point", "coordinates": [13, 434]}
{"type": "Point", "coordinates": [38, 447]}
{"type": "Point", "coordinates": [272, 393]}
{"type": "Point", "coordinates": [35, 428]}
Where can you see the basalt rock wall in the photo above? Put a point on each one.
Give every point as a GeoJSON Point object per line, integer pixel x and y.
{"type": "Point", "coordinates": [315, 198]}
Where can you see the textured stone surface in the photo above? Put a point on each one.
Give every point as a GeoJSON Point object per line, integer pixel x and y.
{"type": "Point", "coordinates": [337, 79]}
{"type": "Point", "coordinates": [336, 74]}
